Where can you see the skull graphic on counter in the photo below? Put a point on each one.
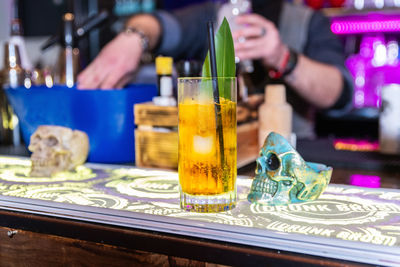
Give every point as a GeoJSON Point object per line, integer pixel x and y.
{"type": "Point", "coordinates": [283, 177]}
{"type": "Point", "coordinates": [56, 149]}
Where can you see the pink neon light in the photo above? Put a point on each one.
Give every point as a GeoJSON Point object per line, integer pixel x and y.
{"type": "Point", "coordinates": [346, 27]}
{"type": "Point", "coordinates": [355, 145]}
{"type": "Point", "coordinates": [365, 180]}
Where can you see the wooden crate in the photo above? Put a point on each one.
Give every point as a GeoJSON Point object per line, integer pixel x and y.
{"type": "Point", "coordinates": [150, 114]}
{"type": "Point", "coordinates": [154, 148]}
{"type": "Point", "coordinates": [247, 143]}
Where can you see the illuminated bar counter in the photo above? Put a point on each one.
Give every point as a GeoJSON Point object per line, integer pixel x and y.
{"type": "Point", "coordinates": [121, 215]}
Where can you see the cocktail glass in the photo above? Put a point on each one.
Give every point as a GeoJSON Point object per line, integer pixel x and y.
{"type": "Point", "coordinates": [207, 160]}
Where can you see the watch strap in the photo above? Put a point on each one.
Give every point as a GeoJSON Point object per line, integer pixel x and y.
{"type": "Point", "coordinates": [292, 62]}
{"type": "Point", "coordinates": [145, 43]}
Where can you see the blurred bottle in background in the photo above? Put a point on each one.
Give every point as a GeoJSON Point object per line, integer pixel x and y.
{"type": "Point", "coordinates": [352, 4]}
{"type": "Point", "coordinates": [16, 37]}
{"type": "Point", "coordinates": [11, 76]}
{"type": "Point", "coordinates": [68, 65]}
{"type": "Point", "coordinates": [360, 66]}
{"type": "Point", "coordinates": [389, 122]}
{"type": "Point", "coordinates": [188, 68]}
{"type": "Point", "coordinates": [230, 10]}
{"type": "Point", "coordinates": [392, 48]}
{"type": "Point", "coordinates": [376, 64]}
{"type": "Point", "coordinates": [164, 66]}
{"type": "Point", "coordinates": [372, 4]}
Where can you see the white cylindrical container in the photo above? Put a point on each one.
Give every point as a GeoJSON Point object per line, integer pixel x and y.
{"type": "Point", "coordinates": [275, 114]}
{"type": "Point", "coordinates": [389, 120]}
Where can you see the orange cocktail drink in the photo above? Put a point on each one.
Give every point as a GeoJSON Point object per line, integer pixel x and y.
{"type": "Point", "coordinates": [207, 163]}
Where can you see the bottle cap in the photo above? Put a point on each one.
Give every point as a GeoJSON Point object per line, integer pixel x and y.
{"type": "Point", "coordinates": [275, 94]}
{"type": "Point", "coordinates": [164, 65]}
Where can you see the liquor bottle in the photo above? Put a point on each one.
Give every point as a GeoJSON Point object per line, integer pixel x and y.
{"type": "Point", "coordinates": [188, 68]}
{"type": "Point", "coordinates": [389, 123]}
{"type": "Point", "coordinates": [165, 85]}
{"type": "Point", "coordinates": [11, 76]}
{"type": "Point", "coordinates": [275, 114]}
{"type": "Point", "coordinates": [230, 10]}
{"type": "Point", "coordinates": [68, 62]}
{"type": "Point", "coordinates": [16, 37]}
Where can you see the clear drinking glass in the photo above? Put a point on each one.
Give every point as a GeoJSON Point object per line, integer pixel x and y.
{"type": "Point", "coordinates": [207, 160]}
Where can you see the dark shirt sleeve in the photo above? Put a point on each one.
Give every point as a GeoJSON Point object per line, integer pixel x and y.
{"type": "Point", "coordinates": [324, 46]}
{"type": "Point", "coordinates": [185, 31]}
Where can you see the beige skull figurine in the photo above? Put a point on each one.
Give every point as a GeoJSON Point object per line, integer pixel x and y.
{"type": "Point", "coordinates": [56, 148]}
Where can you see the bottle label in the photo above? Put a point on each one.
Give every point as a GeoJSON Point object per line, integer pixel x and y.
{"type": "Point", "coordinates": [166, 86]}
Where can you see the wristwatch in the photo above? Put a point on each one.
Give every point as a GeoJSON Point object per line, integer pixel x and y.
{"type": "Point", "coordinates": [291, 63]}
{"type": "Point", "coordinates": [144, 40]}
{"type": "Point", "coordinates": [288, 65]}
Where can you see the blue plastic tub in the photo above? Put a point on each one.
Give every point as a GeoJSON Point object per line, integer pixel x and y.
{"type": "Point", "coordinates": [105, 115]}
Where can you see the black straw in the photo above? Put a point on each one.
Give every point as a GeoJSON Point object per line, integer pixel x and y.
{"type": "Point", "coordinates": [213, 60]}
{"type": "Point", "coordinates": [214, 74]}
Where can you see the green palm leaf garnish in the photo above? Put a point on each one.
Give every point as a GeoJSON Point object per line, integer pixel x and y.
{"type": "Point", "coordinates": [225, 54]}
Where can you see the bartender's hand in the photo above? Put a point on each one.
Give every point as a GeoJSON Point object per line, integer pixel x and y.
{"type": "Point", "coordinates": [318, 83]}
{"type": "Point", "coordinates": [119, 59]}
{"type": "Point", "coordinates": [258, 39]}
{"type": "Point", "coordinates": [115, 64]}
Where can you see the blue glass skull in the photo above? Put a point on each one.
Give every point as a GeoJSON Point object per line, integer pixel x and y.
{"type": "Point", "coordinates": [283, 177]}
